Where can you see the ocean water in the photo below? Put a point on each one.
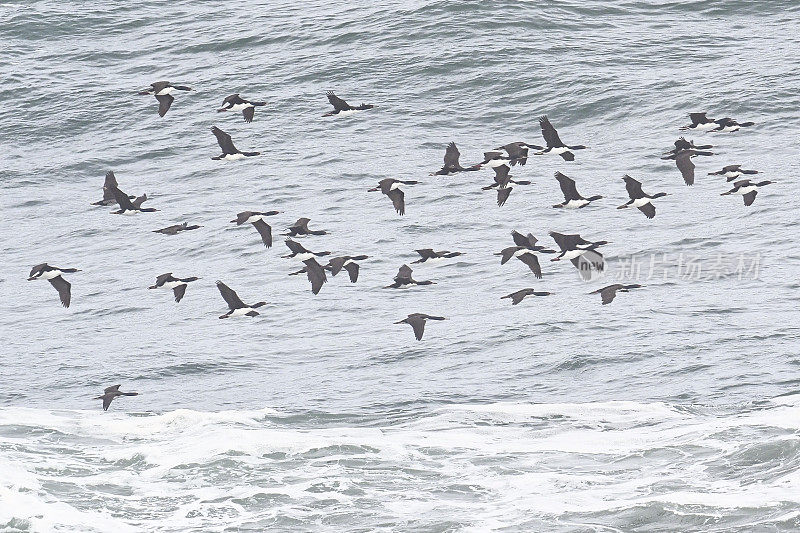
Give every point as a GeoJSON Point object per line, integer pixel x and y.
{"type": "Point", "coordinates": [675, 408]}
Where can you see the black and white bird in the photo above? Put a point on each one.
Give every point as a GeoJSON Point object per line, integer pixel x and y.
{"type": "Point", "coordinates": [236, 103]}
{"type": "Point", "coordinates": [501, 181]}
{"type": "Point", "coordinates": [417, 322]}
{"type": "Point", "coordinates": [404, 280]}
{"type": "Point", "coordinates": [163, 90]}
{"type": "Point", "coordinates": [258, 220]}
{"type": "Point", "coordinates": [427, 254]}
{"type": "Point", "coordinates": [683, 144]}
{"type": "Point", "coordinates": [529, 241]}
{"type": "Point", "coordinates": [495, 159]}
{"type": "Point", "coordinates": [731, 172]}
{"type": "Point", "coordinates": [315, 273]}
{"type": "Point", "coordinates": [608, 293]}
{"type": "Point", "coordinates": [518, 296]}
{"type": "Point", "coordinates": [451, 164]}
{"type": "Point", "coordinates": [128, 207]}
{"type": "Point", "coordinates": [235, 304]}
{"type": "Point", "coordinates": [729, 125]}
{"type": "Point", "coordinates": [229, 151]}
{"type": "Point", "coordinates": [170, 282]}
{"type": "Point", "coordinates": [525, 255]}
{"type": "Point", "coordinates": [341, 108]}
{"type": "Point", "coordinates": [639, 198]}
{"type": "Point", "coordinates": [572, 199]}
{"type": "Point", "coordinates": [177, 228]}
{"type": "Point", "coordinates": [554, 144]}
{"type": "Point", "coordinates": [301, 228]}
{"type": "Point", "coordinates": [518, 151]}
{"type": "Point", "coordinates": [109, 185]}
{"type": "Point", "coordinates": [300, 252]}
{"type": "Point", "coordinates": [581, 253]}
{"type": "Point", "coordinates": [54, 276]}
{"type": "Point", "coordinates": [109, 393]}
{"type": "Point", "coordinates": [389, 187]}
{"type": "Point", "coordinates": [700, 122]}
{"type": "Point", "coordinates": [748, 189]}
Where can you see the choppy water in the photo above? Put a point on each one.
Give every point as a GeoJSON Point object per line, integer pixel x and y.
{"type": "Point", "coordinates": [673, 409]}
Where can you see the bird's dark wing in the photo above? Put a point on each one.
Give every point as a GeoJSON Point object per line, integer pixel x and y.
{"type": "Point", "coordinates": [568, 187]}
{"type": "Point", "coordinates": [295, 246]}
{"type": "Point", "coordinates": [109, 185]}
{"type": "Point", "coordinates": [337, 103]}
{"type": "Point", "coordinates": [633, 187]}
{"type": "Point", "coordinates": [230, 296]}
{"type": "Point", "coordinates": [698, 118]}
{"type": "Point", "coordinates": [398, 200]}
{"type": "Point", "coordinates": [224, 141]}
{"type": "Point", "coordinates": [426, 253]}
{"type": "Point", "coordinates": [649, 210]}
{"type": "Point", "coordinates": [517, 297]}
{"type": "Point", "coordinates": [533, 263]}
{"type": "Point", "coordinates": [502, 195]}
{"type": "Point", "coordinates": [566, 242]}
{"type": "Point", "coordinates": [179, 291]}
{"type": "Point", "coordinates": [515, 151]}
{"type": "Point", "coordinates": [164, 101]}
{"type": "Point", "coordinates": [731, 168]}
{"type": "Point", "coordinates": [526, 241]}
{"type": "Point", "coordinates": [62, 286]}
{"type": "Point", "coordinates": [549, 133]}
{"type": "Point", "coordinates": [265, 230]}
{"type": "Point", "coordinates": [749, 198]}
{"type": "Point", "coordinates": [418, 325]}
{"type": "Point", "coordinates": [123, 200]}
{"type": "Point", "coordinates": [404, 273]}
{"type": "Point", "coordinates": [336, 264]}
{"type": "Point", "coordinates": [112, 388]}
{"type": "Point", "coordinates": [352, 270]}
{"type": "Point", "coordinates": [316, 275]}
{"type": "Point", "coordinates": [501, 175]}
{"type": "Point", "coordinates": [107, 399]}
{"type": "Point", "coordinates": [451, 156]}
{"type": "Point", "coordinates": [248, 113]}
{"type": "Point", "coordinates": [139, 201]}
{"type": "Point", "coordinates": [608, 294]}
{"type": "Point", "coordinates": [160, 280]}
{"type": "Point", "coordinates": [684, 162]}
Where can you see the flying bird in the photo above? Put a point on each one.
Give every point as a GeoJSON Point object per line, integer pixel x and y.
{"type": "Point", "coordinates": [336, 264]}
{"type": "Point", "coordinates": [113, 392]}
{"type": "Point", "coordinates": [163, 90]}
{"type": "Point", "coordinates": [683, 144]}
{"type": "Point", "coordinates": [404, 280]}
{"type": "Point", "coordinates": [177, 285]}
{"type": "Point", "coordinates": [529, 241]}
{"type": "Point", "coordinates": [108, 190]}
{"type": "Point", "coordinates": [501, 181]}
{"type": "Point", "coordinates": [518, 151]}
{"type": "Point", "coordinates": [177, 228]}
{"type": "Point", "coordinates": [581, 253]}
{"type": "Point", "coordinates": [607, 294]}
{"type": "Point", "coordinates": [342, 107]}
{"type": "Point", "coordinates": [235, 103]}
{"type": "Point", "coordinates": [315, 274]}
{"type": "Point", "coordinates": [727, 125]}
{"type": "Point", "coordinates": [525, 255]}
{"type": "Point", "coordinates": [451, 164]}
{"type": "Point", "coordinates": [229, 151]}
{"type": "Point", "coordinates": [235, 304]}
{"type": "Point", "coordinates": [389, 187]}
{"type": "Point", "coordinates": [639, 198]}
{"type": "Point", "coordinates": [301, 228]}
{"type": "Point", "coordinates": [54, 276]}
{"type": "Point", "coordinates": [258, 220]}
{"type": "Point", "coordinates": [299, 251]}
{"type": "Point", "coordinates": [518, 296]}
{"type": "Point", "coordinates": [731, 172]}
{"type": "Point", "coordinates": [128, 207]}
{"type": "Point", "coordinates": [554, 143]}
{"type": "Point", "coordinates": [572, 199]}
{"type": "Point", "coordinates": [417, 322]}
{"type": "Point", "coordinates": [700, 122]}
{"type": "Point", "coordinates": [428, 254]}
{"type": "Point", "coordinates": [747, 189]}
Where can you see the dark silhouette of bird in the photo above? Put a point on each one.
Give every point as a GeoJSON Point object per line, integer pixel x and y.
{"type": "Point", "coordinates": [518, 296]}
{"type": "Point", "coordinates": [235, 102]}
{"type": "Point", "coordinates": [451, 164]}
{"type": "Point", "coordinates": [403, 279]}
{"type": "Point", "coordinates": [417, 322]}
{"type": "Point", "coordinates": [342, 107]}
{"type": "Point", "coordinates": [639, 198]}
{"type": "Point", "coordinates": [389, 187]}
{"type": "Point", "coordinates": [113, 392]}
{"type": "Point", "coordinates": [163, 90]}
{"type": "Point", "coordinates": [235, 305]}
{"type": "Point", "coordinates": [608, 293]}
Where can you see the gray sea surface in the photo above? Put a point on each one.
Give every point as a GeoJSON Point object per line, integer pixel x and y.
{"type": "Point", "coordinates": [675, 408]}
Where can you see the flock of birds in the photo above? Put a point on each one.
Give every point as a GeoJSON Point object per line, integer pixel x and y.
{"type": "Point", "coordinates": [583, 254]}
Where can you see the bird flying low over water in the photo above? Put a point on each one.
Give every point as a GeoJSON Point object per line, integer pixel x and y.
{"type": "Point", "coordinates": [389, 187]}
{"type": "Point", "coordinates": [299, 251]}
{"type": "Point", "coordinates": [128, 207]}
{"type": "Point", "coordinates": [113, 392]}
{"type": "Point", "coordinates": [639, 198]}
{"type": "Point", "coordinates": [501, 181]}
{"type": "Point", "coordinates": [582, 254]}
{"type": "Point", "coordinates": [607, 294]}
{"type": "Point", "coordinates": [53, 275]}
{"type": "Point", "coordinates": [336, 264]}
{"type": "Point", "coordinates": [518, 296]}
{"type": "Point", "coordinates": [229, 151]}
{"type": "Point", "coordinates": [316, 274]}
{"type": "Point", "coordinates": [683, 160]}
{"type": "Point", "coordinates": [700, 122]}
{"type": "Point", "coordinates": [747, 189]}
{"type": "Point", "coordinates": [235, 103]}
{"type": "Point", "coordinates": [340, 107]}
{"type": "Point", "coordinates": [177, 285]}
{"type": "Point", "coordinates": [451, 164]}
{"type": "Point", "coordinates": [572, 199]}
{"type": "Point", "coordinates": [177, 228]}
{"type": "Point", "coordinates": [163, 90]}
{"type": "Point", "coordinates": [728, 125]}
{"type": "Point", "coordinates": [235, 304]}
{"type": "Point", "coordinates": [417, 322]}
{"type": "Point", "coordinates": [258, 220]}
{"type": "Point", "coordinates": [518, 151]}
{"type": "Point", "coordinates": [554, 144]}
{"type": "Point", "coordinates": [428, 254]}
{"type": "Point", "coordinates": [683, 144]}
{"type": "Point", "coordinates": [529, 241]}
{"type": "Point", "coordinates": [108, 190]}
{"type": "Point", "coordinates": [525, 255]}
{"type": "Point", "coordinates": [301, 228]}
{"type": "Point", "coordinates": [403, 279]}
{"type": "Point", "coordinates": [731, 172]}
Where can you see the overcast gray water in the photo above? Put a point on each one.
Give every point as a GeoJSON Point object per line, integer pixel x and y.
{"type": "Point", "coordinates": [675, 408]}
